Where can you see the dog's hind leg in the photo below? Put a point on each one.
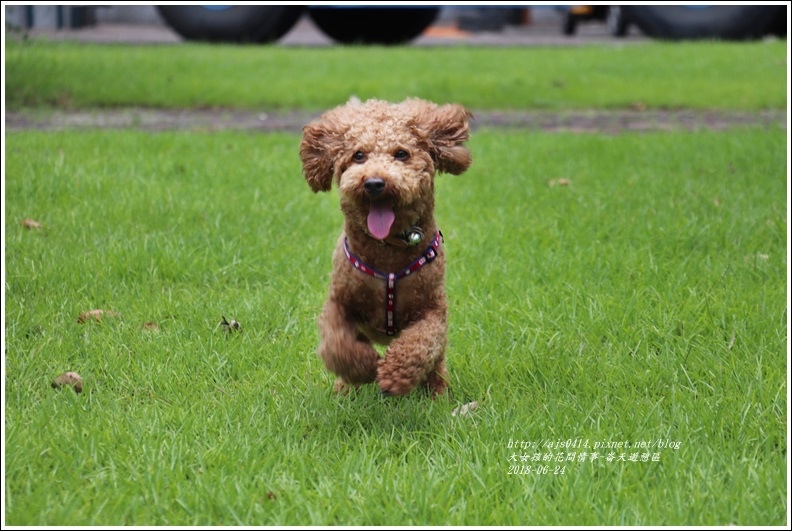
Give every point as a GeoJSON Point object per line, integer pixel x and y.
{"type": "Point", "coordinates": [416, 356]}
{"type": "Point", "coordinates": [437, 382]}
{"type": "Point", "coordinates": [344, 350]}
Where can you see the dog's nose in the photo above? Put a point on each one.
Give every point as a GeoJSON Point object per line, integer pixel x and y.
{"type": "Point", "coordinates": [374, 186]}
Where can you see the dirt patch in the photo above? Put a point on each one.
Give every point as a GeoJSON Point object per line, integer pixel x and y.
{"type": "Point", "coordinates": [610, 122]}
{"type": "Point", "coordinates": [631, 120]}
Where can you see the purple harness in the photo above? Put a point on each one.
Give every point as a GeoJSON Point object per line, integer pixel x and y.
{"type": "Point", "coordinates": [391, 278]}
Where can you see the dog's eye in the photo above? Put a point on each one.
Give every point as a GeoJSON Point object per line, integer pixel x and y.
{"type": "Point", "coordinates": [401, 155]}
{"type": "Point", "coordinates": [359, 156]}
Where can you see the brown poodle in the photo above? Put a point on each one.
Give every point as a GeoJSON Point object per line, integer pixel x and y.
{"type": "Point", "coordinates": [388, 267]}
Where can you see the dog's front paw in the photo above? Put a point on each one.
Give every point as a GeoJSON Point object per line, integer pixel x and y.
{"type": "Point", "coordinates": [391, 388]}
{"type": "Point", "coordinates": [394, 382]}
{"type": "Point", "coordinates": [342, 388]}
{"type": "Point", "coordinates": [436, 383]}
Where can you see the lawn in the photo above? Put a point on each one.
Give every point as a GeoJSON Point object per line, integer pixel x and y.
{"type": "Point", "coordinates": [604, 289]}
{"type": "Point", "coordinates": [706, 75]}
{"type": "Point", "coordinates": [618, 303]}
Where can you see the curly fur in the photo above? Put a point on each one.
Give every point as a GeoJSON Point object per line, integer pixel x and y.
{"type": "Point", "coordinates": [403, 145]}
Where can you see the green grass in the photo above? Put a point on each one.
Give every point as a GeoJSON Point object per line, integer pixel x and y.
{"type": "Point", "coordinates": [645, 301]}
{"type": "Point", "coordinates": [699, 75]}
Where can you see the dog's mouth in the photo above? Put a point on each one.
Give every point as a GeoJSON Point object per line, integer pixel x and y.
{"type": "Point", "coordinates": [380, 218]}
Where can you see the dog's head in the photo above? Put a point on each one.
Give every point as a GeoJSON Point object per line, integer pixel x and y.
{"type": "Point", "coordinates": [384, 157]}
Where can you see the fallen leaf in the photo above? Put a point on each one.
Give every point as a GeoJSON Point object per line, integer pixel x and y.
{"type": "Point", "coordinates": [95, 315]}
{"type": "Point", "coordinates": [71, 379]}
{"type": "Point", "coordinates": [230, 326]}
{"type": "Point", "coordinates": [464, 410]}
{"type": "Point", "coordinates": [31, 224]}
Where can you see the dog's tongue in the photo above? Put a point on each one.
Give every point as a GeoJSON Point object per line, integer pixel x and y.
{"type": "Point", "coordinates": [380, 219]}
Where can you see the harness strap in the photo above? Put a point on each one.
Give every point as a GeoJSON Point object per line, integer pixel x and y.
{"type": "Point", "coordinates": [391, 278]}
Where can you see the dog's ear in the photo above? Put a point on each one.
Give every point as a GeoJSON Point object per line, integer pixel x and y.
{"type": "Point", "coordinates": [320, 146]}
{"type": "Point", "coordinates": [446, 128]}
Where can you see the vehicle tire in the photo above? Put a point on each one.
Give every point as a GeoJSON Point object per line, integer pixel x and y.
{"type": "Point", "coordinates": [244, 23]}
{"type": "Point", "coordinates": [780, 26]}
{"type": "Point", "coordinates": [568, 23]}
{"type": "Point", "coordinates": [618, 24]}
{"type": "Point", "coordinates": [727, 22]}
{"type": "Point", "coordinates": [373, 25]}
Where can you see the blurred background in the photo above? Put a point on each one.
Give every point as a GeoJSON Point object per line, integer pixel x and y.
{"type": "Point", "coordinates": [321, 25]}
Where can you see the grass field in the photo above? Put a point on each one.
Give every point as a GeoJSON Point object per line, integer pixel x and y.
{"type": "Point", "coordinates": [644, 301]}
{"type": "Point", "coordinates": [604, 289]}
{"type": "Point", "coordinates": [655, 75]}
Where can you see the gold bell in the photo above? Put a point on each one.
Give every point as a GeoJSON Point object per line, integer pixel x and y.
{"type": "Point", "coordinates": [414, 236]}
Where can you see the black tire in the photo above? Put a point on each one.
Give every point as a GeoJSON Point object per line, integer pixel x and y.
{"type": "Point", "coordinates": [232, 23]}
{"type": "Point", "coordinates": [618, 24]}
{"type": "Point", "coordinates": [780, 25]}
{"type": "Point", "coordinates": [373, 25]}
{"type": "Point", "coordinates": [710, 22]}
{"type": "Point", "coordinates": [568, 23]}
